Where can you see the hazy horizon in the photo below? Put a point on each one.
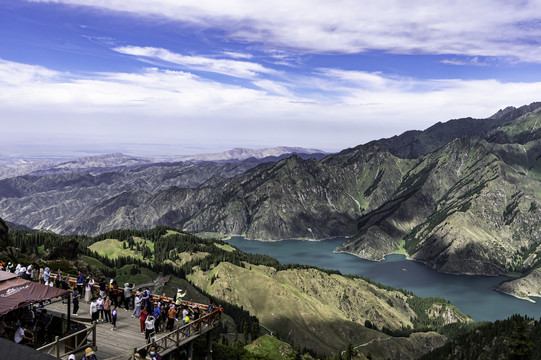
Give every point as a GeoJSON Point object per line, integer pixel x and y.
{"type": "Point", "coordinates": [151, 151]}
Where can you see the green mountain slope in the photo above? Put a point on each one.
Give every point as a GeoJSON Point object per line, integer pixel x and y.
{"type": "Point", "coordinates": [319, 310]}
{"type": "Point", "coordinates": [271, 348]}
{"type": "Point", "coordinates": [470, 207]}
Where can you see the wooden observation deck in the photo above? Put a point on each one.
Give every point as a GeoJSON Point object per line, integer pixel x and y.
{"type": "Point", "coordinates": [124, 342]}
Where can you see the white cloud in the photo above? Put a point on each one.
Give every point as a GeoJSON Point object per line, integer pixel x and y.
{"type": "Point", "coordinates": [331, 109]}
{"type": "Point", "coordinates": [475, 61]}
{"type": "Point", "coordinates": [274, 87]}
{"type": "Point", "coordinates": [241, 69]}
{"type": "Point", "coordinates": [237, 55]}
{"type": "Point", "coordinates": [18, 74]}
{"type": "Point", "coordinates": [474, 28]}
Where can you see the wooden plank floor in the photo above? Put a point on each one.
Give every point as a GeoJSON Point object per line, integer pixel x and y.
{"type": "Point", "coordinates": [126, 336]}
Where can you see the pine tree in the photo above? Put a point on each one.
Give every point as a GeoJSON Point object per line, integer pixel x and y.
{"type": "Point", "coordinates": [246, 338]}
{"type": "Point", "coordinates": [255, 330]}
{"type": "Point", "coordinates": [24, 250]}
{"type": "Point", "coordinates": [349, 352]}
{"type": "Point", "coordinates": [520, 344]}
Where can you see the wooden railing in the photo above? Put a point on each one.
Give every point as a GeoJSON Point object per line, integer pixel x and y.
{"type": "Point", "coordinates": [72, 281]}
{"type": "Point", "coordinates": [175, 339]}
{"type": "Point", "coordinates": [72, 343]}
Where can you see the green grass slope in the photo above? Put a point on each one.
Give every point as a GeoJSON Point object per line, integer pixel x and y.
{"type": "Point", "coordinates": [310, 307]}
{"type": "Point", "coordinates": [272, 348]}
{"type": "Point", "coordinates": [112, 248]}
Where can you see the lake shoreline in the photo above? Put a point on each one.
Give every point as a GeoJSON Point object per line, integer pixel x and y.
{"type": "Point", "coordinates": [407, 257]}
{"type": "Point", "coordinates": [473, 294]}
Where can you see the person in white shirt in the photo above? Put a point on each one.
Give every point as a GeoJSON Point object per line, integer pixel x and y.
{"type": "Point", "coordinates": [94, 310]}
{"type": "Point", "coordinates": [22, 272]}
{"type": "Point", "coordinates": [185, 314]}
{"type": "Point", "coordinates": [149, 327]}
{"type": "Point", "coordinates": [99, 304]}
{"type": "Point", "coordinates": [23, 335]}
{"type": "Point", "coordinates": [28, 272]}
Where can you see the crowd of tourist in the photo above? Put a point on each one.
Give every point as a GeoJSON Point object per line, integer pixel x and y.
{"type": "Point", "coordinates": [31, 324]}
{"type": "Point", "coordinates": [35, 273]}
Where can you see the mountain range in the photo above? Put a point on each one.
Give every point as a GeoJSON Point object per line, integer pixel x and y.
{"type": "Point", "coordinates": [13, 167]}
{"type": "Point", "coordinates": [462, 196]}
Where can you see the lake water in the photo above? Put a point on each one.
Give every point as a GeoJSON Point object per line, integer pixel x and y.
{"type": "Point", "coordinates": [472, 294]}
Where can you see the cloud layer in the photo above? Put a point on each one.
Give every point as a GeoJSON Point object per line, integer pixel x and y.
{"type": "Point", "coordinates": [344, 108]}
{"type": "Point", "coordinates": [472, 28]}
{"type": "Point", "coordinates": [217, 74]}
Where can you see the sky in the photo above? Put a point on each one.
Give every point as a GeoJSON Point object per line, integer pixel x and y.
{"type": "Point", "coordinates": [163, 78]}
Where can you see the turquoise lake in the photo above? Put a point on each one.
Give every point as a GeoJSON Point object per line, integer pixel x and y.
{"type": "Point", "coordinates": [472, 294]}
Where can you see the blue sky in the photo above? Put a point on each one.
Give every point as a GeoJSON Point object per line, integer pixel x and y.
{"type": "Point", "coordinates": [170, 77]}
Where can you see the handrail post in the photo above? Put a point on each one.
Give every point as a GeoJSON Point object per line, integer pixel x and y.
{"type": "Point", "coordinates": [63, 322]}
{"type": "Point", "coordinates": [190, 350]}
{"type": "Point", "coordinates": [94, 334]}
{"type": "Point", "coordinates": [57, 347]}
{"type": "Point", "coordinates": [76, 342]}
{"type": "Point", "coordinates": [209, 345]}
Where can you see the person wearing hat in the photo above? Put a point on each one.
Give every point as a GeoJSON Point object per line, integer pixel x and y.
{"type": "Point", "coordinates": [89, 354]}
{"type": "Point", "coordinates": [144, 299]}
{"type": "Point", "coordinates": [47, 275]}
{"type": "Point", "coordinates": [171, 315]}
{"type": "Point", "coordinates": [137, 304]}
{"type": "Point", "coordinates": [127, 295]}
{"type": "Point", "coordinates": [179, 296]}
{"type": "Point", "coordinates": [195, 312]}
{"type": "Point", "coordinates": [157, 313]}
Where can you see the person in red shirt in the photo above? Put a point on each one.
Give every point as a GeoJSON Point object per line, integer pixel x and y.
{"type": "Point", "coordinates": [142, 319]}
